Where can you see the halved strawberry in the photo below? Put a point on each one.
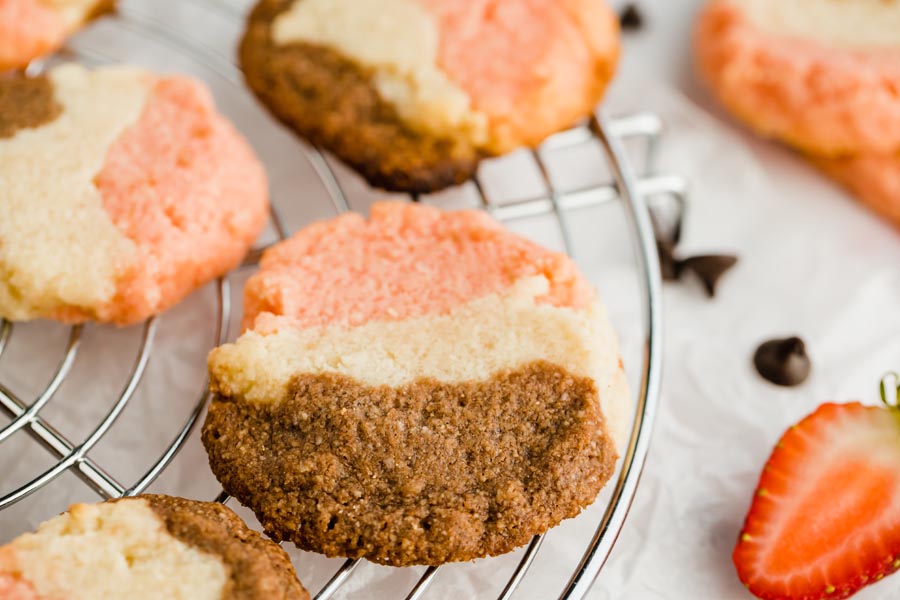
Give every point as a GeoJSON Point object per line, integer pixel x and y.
{"type": "Point", "coordinates": [825, 518]}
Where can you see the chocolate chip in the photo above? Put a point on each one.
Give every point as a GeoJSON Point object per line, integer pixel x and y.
{"type": "Point", "coordinates": [631, 18]}
{"type": "Point", "coordinates": [676, 229]}
{"type": "Point", "coordinates": [709, 268]}
{"type": "Point", "coordinates": [669, 266]}
{"type": "Point", "coordinates": [783, 361]}
{"type": "Point", "coordinates": [667, 227]}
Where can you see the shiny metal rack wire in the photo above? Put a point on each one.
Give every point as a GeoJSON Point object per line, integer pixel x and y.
{"type": "Point", "coordinates": [633, 191]}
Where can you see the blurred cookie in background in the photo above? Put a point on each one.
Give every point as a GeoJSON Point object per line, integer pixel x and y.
{"type": "Point", "coordinates": [121, 192]}
{"type": "Point", "coordinates": [820, 75]}
{"type": "Point", "coordinates": [30, 29]}
{"type": "Point", "coordinates": [413, 93]}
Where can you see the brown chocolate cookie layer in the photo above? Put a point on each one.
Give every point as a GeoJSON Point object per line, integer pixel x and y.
{"type": "Point", "coordinates": [331, 101]}
{"type": "Point", "coordinates": [25, 102]}
{"type": "Point", "coordinates": [102, 8]}
{"type": "Point", "coordinates": [426, 473]}
{"type": "Point", "coordinates": [258, 568]}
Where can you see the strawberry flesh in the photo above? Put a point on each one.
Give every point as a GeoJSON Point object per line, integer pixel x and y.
{"type": "Point", "coordinates": [825, 518]}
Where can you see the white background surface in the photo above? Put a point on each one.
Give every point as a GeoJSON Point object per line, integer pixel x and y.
{"type": "Point", "coordinates": [812, 263]}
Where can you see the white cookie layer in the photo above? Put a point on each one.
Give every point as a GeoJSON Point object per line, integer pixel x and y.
{"type": "Point", "coordinates": [399, 40]}
{"type": "Point", "coordinates": [58, 245]}
{"type": "Point", "coordinates": [472, 343]}
{"type": "Point", "coordinates": [116, 551]}
{"type": "Point", "coordinates": [841, 23]}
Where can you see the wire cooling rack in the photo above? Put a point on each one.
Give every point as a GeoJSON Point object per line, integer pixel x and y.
{"type": "Point", "coordinates": [74, 456]}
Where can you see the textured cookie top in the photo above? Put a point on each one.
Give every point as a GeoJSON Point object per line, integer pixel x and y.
{"type": "Point", "coordinates": [31, 28]}
{"type": "Point", "coordinates": [57, 237]}
{"type": "Point", "coordinates": [423, 473]}
{"type": "Point", "coordinates": [819, 95]}
{"type": "Point", "coordinates": [402, 91]}
{"type": "Point", "coordinates": [27, 104]}
{"type": "Point", "coordinates": [120, 191]}
{"type": "Point", "coordinates": [429, 59]}
{"type": "Point", "coordinates": [412, 293]}
{"type": "Point", "coordinates": [416, 388]}
{"type": "Point", "coordinates": [401, 40]}
{"type": "Point", "coordinates": [146, 547]}
{"type": "Point", "coordinates": [406, 260]}
{"type": "Point", "coordinates": [860, 24]}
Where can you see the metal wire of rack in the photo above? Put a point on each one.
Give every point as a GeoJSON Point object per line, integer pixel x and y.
{"type": "Point", "coordinates": [635, 193]}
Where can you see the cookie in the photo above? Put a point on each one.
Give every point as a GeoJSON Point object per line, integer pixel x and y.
{"type": "Point", "coordinates": [416, 388]}
{"type": "Point", "coordinates": [413, 93]}
{"type": "Point", "coordinates": [821, 75]}
{"type": "Point", "coordinates": [874, 180]}
{"type": "Point", "coordinates": [121, 192]}
{"type": "Point", "coordinates": [147, 547]}
{"type": "Point", "coordinates": [30, 29]}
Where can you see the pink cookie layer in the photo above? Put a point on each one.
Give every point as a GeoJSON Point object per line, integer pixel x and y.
{"type": "Point", "coordinates": [875, 180]}
{"type": "Point", "coordinates": [12, 588]}
{"type": "Point", "coordinates": [551, 54]}
{"type": "Point", "coordinates": [188, 190]}
{"type": "Point", "coordinates": [186, 187]}
{"type": "Point", "coordinates": [825, 100]}
{"type": "Point", "coordinates": [28, 29]}
{"type": "Point", "coordinates": [407, 260]}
